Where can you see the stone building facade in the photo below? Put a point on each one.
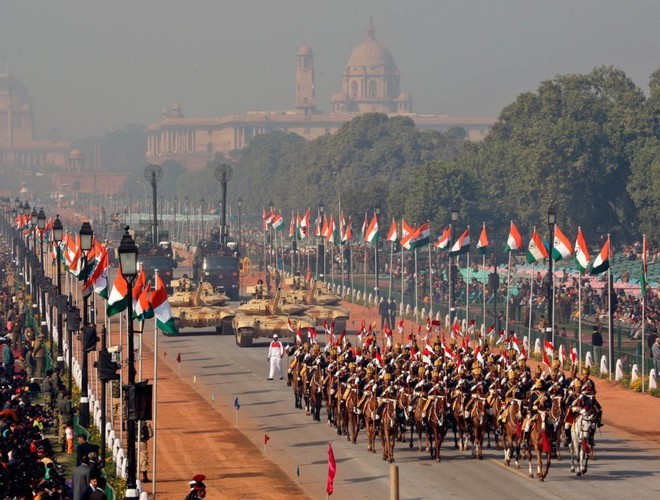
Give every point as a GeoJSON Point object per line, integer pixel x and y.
{"type": "Point", "coordinates": [370, 83]}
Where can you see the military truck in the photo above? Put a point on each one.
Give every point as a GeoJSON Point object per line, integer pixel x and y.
{"type": "Point", "coordinates": [161, 258]}
{"type": "Point", "coordinates": [218, 265]}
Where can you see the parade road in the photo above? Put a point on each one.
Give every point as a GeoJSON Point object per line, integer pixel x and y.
{"type": "Point", "coordinates": [213, 365]}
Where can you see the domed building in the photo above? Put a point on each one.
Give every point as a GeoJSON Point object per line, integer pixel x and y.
{"type": "Point", "coordinates": [371, 81]}
{"type": "Point", "coordinates": [18, 145]}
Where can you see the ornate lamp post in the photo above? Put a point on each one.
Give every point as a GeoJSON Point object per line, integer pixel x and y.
{"type": "Point", "coordinates": [58, 231]}
{"type": "Point", "coordinates": [452, 288]}
{"type": "Point", "coordinates": [128, 254]}
{"type": "Point", "coordinates": [552, 219]}
{"type": "Point", "coordinates": [86, 243]}
{"type": "Point", "coordinates": [185, 202]}
{"type": "Point", "coordinates": [240, 233]}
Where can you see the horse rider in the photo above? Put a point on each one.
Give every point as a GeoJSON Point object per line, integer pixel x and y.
{"type": "Point", "coordinates": [589, 390]}
{"type": "Point", "coordinates": [538, 401]}
{"type": "Point", "coordinates": [387, 391]}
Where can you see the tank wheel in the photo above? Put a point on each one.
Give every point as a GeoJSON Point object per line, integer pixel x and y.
{"type": "Point", "coordinates": [244, 338]}
{"type": "Point", "coordinates": [225, 327]}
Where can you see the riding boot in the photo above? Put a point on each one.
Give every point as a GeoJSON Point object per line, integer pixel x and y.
{"type": "Point", "coordinates": [289, 378]}
{"type": "Point", "coordinates": [526, 440]}
{"type": "Point", "coordinates": [567, 437]}
{"type": "Point", "coordinates": [425, 421]}
{"type": "Point", "coordinates": [145, 479]}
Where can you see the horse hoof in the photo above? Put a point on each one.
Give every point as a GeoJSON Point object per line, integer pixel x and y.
{"type": "Point", "coordinates": [572, 470]}
{"type": "Point", "coordinates": [579, 474]}
{"type": "Point", "coordinates": [481, 457]}
{"type": "Point", "coordinates": [507, 462]}
{"type": "Point", "coordinates": [410, 445]}
{"type": "Point", "coordinates": [541, 479]}
{"type": "Point", "coordinates": [531, 476]}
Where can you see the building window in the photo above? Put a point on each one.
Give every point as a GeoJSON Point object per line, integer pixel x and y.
{"type": "Point", "coordinates": [354, 89]}
{"type": "Point", "coordinates": [372, 89]}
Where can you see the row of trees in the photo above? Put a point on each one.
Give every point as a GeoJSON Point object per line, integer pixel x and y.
{"type": "Point", "coordinates": [590, 143]}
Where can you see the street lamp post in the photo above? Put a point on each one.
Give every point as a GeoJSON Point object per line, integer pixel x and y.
{"type": "Point", "coordinates": [201, 211]}
{"type": "Point", "coordinates": [41, 225]}
{"type": "Point", "coordinates": [321, 252]}
{"type": "Point", "coordinates": [26, 259]}
{"type": "Point", "coordinates": [58, 229]}
{"type": "Point", "coordinates": [550, 329]}
{"type": "Point", "coordinates": [185, 202]}
{"type": "Point", "coordinates": [174, 235]}
{"type": "Point", "coordinates": [128, 253]}
{"type": "Point", "coordinates": [377, 288]}
{"type": "Point", "coordinates": [452, 288]}
{"type": "Point", "coordinates": [240, 234]}
{"type": "Point", "coordinates": [86, 242]}
{"type": "Point", "coordinates": [271, 209]}
{"type": "Point", "coordinates": [35, 221]}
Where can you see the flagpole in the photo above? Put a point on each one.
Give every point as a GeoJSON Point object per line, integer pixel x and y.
{"type": "Point", "coordinates": [483, 283]}
{"type": "Point", "coordinates": [416, 281]}
{"type": "Point", "coordinates": [403, 269]}
{"type": "Point", "coordinates": [531, 305]}
{"type": "Point", "coordinates": [579, 320]}
{"type": "Point", "coordinates": [430, 285]}
{"type": "Point", "coordinates": [154, 410]}
{"type": "Point", "coordinates": [351, 274]}
{"type": "Point", "coordinates": [553, 300]}
{"type": "Point", "coordinates": [610, 292]}
{"type": "Point", "coordinates": [467, 291]}
{"type": "Point", "coordinates": [643, 303]}
{"type": "Point", "coordinates": [389, 293]}
{"type": "Point", "coordinates": [508, 291]}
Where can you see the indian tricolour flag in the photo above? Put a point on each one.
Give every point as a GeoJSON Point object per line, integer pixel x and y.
{"type": "Point", "coordinates": [392, 235]}
{"type": "Point", "coordinates": [162, 311]}
{"type": "Point", "coordinates": [482, 244]}
{"type": "Point", "coordinates": [418, 238]}
{"type": "Point", "coordinates": [536, 250]}
{"type": "Point", "coordinates": [372, 231]}
{"type": "Point", "coordinates": [98, 281]}
{"type": "Point", "coordinates": [462, 244]}
{"type": "Point", "coordinates": [514, 241]}
{"type": "Point", "coordinates": [363, 230]}
{"type": "Point", "coordinates": [118, 298]}
{"type": "Point", "coordinates": [277, 221]}
{"type": "Point", "coordinates": [562, 248]}
{"type": "Point", "coordinates": [582, 257]}
{"type": "Point", "coordinates": [406, 229]}
{"type": "Point", "coordinates": [444, 238]}
{"type": "Point", "coordinates": [602, 262]}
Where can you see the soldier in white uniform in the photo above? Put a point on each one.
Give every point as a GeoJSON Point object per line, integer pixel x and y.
{"type": "Point", "coordinates": [275, 353]}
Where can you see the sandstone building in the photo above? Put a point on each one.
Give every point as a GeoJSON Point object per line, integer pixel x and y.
{"type": "Point", "coordinates": [370, 82]}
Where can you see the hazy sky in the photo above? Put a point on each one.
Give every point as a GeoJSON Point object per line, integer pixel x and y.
{"type": "Point", "coordinates": [94, 66]}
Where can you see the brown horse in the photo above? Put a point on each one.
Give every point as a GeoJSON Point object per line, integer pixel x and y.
{"type": "Point", "coordinates": [331, 397]}
{"type": "Point", "coordinates": [414, 412]}
{"type": "Point", "coordinates": [296, 383]}
{"type": "Point", "coordinates": [316, 393]}
{"type": "Point", "coordinates": [369, 412]}
{"type": "Point", "coordinates": [556, 418]}
{"type": "Point", "coordinates": [512, 431]}
{"type": "Point", "coordinates": [341, 416]}
{"type": "Point", "coordinates": [352, 411]}
{"type": "Point", "coordinates": [539, 439]}
{"type": "Point", "coordinates": [437, 425]}
{"type": "Point", "coordinates": [478, 419]}
{"type": "Point", "coordinates": [460, 422]}
{"type": "Point", "coordinates": [495, 407]}
{"type": "Point", "coordinates": [389, 428]}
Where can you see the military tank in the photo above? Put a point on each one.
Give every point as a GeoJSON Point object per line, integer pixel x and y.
{"type": "Point", "coordinates": [321, 305]}
{"type": "Point", "coordinates": [263, 316]}
{"type": "Point", "coordinates": [201, 308]}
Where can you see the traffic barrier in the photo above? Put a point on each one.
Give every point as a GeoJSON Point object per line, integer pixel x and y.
{"type": "Point", "coordinates": [619, 371]}
{"type": "Point", "coordinates": [588, 360]}
{"type": "Point", "coordinates": [603, 365]}
{"type": "Point", "coordinates": [635, 373]}
{"type": "Point", "coordinates": [537, 347]}
{"type": "Point", "coordinates": [653, 383]}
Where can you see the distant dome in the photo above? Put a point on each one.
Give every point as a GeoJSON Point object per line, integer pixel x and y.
{"type": "Point", "coordinates": [305, 51]}
{"type": "Point", "coordinates": [10, 83]}
{"type": "Point", "coordinates": [176, 106]}
{"type": "Point", "coordinates": [371, 53]}
{"type": "Point", "coordinates": [75, 154]}
{"type": "Point", "coordinates": [404, 96]}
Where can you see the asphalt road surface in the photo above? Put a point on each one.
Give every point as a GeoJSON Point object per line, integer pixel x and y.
{"type": "Point", "coordinates": [624, 467]}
